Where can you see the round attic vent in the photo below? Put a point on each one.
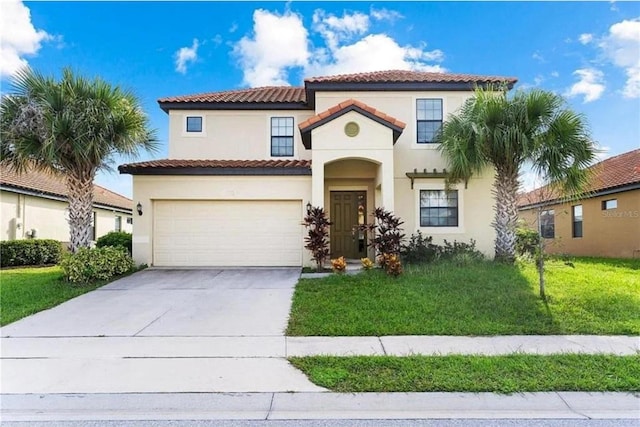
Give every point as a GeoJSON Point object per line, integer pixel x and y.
{"type": "Point", "coordinates": [351, 129]}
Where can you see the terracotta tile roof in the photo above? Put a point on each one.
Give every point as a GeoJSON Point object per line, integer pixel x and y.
{"type": "Point", "coordinates": [398, 76]}
{"type": "Point", "coordinates": [347, 105]}
{"type": "Point", "coordinates": [611, 173]}
{"type": "Point", "coordinates": [259, 95]}
{"type": "Point", "coordinates": [250, 167]}
{"type": "Point", "coordinates": [42, 182]}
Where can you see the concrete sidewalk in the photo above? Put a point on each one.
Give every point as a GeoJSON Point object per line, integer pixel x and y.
{"type": "Point", "coordinates": [309, 406]}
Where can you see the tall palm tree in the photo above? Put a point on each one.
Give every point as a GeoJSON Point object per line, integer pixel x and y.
{"type": "Point", "coordinates": [504, 132]}
{"type": "Point", "coordinates": [72, 127]}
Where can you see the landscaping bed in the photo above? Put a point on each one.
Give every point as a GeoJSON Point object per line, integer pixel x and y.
{"type": "Point", "coordinates": [585, 296]}
{"type": "Point", "coordinates": [498, 374]}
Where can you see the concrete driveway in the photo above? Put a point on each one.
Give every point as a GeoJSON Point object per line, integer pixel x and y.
{"type": "Point", "coordinates": [160, 330]}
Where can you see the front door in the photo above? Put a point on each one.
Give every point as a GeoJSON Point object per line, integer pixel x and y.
{"type": "Point", "coordinates": [348, 209]}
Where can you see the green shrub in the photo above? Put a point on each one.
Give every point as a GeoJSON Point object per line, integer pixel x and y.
{"type": "Point", "coordinates": [30, 252]}
{"type": "Point", "coordinates": [527, 241]}
{"type": "Point", "coordinates": [88, 265]}
{"type": "Point", "coordinates": [420, 249]}
{"type": "Point", "coordinates": [116, 239]}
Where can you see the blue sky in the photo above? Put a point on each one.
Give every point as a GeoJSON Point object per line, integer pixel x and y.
{"type": "Point", "coordinates": [587, 51]}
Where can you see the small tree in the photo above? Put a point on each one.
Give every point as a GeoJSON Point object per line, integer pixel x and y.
{"type": "Point", "coordinates": [317, 240]}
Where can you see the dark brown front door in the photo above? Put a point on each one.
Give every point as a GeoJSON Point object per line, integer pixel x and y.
{"type": "Point", "coordinates": [348, 209]}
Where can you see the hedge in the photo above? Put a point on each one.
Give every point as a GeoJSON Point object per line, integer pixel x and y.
{"type": "Point", "coordinates": [30, 252]}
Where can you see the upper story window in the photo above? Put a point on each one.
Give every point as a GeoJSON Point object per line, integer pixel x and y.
{"type": "Point", "coordinates": [609, 204]}
{"type": "Point", "coordinates": [194, 124]}
{"type": "Point", "coordinates": [429, 119]}
{"type": "Point", "coordinates": [281, 136]}
{"type": "Point", "coordinates": [548, 224]}
{"type": "Point", "coordinates": [438, 208]}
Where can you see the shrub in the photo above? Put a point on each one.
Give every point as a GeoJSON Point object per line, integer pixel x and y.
{"type": "Point", "coordinates": [386, 234]}
{"type": "Point", "coordinates": [419, 249]}
{"type": "Point", "coordinates": [88, 265]}
{"type": "Point", "coordinates": [339, 265]}
{"type": "Point", "coordinates": [116, 239]}
{"type": "Point", "coordinates": [527, 241]}
{"type": "Point", "coordinates": [317, 240]}
{"type": "Point", "coordinates": [367, 264]}
{"type": "Point", "coordinates": [30, 252]}
{"type": "Point", "coordinates": [392, 265]}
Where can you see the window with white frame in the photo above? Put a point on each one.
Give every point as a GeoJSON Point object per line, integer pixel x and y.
{"type": "Point", "coordinates": [428, 119]}
{"type": "Point", "coordinates": [439, 208]}
{"type": "Point", "coordinates": [548, 224]}
{"type": "Point", "coordinates": [281, 136]}
{"type": "Point", "coordinates": [194, 124]}
{"type": "Point", "coordinates": [118, 224]}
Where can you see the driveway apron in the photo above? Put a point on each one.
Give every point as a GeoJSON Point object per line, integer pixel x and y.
{"type": "Point", "coordinates": [160, 330]}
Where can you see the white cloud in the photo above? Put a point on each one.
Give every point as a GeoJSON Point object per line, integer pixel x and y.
{"type": "Point", "coordinates": [185, 56]}
{"type": "Point", "coordinates": [376, 52]}
{"type": "Point", "coordinates": [19, 37]}
{"type": "Point", "coordinates": [622, 47]}
{"type": "Point", "coordinates": [603, 153]}
{"type": "Point", "coordinates": [538, 57]}
{"type": "Point", "coordinates": [385, 14]}
{"type": "Point", "coordinates": [555, 74]}
{"type": "Point", "coordinates": [278, 43]}
{"type": "Point", "coordinates": [590, 84]}
{"type": "Point", "coordinates": [585, 38]}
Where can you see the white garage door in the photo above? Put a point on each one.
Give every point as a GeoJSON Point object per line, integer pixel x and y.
{"type": "Point", "coordinates": [227, 233]}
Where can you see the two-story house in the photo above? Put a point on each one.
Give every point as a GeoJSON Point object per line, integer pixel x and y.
{"type": "Point", "coordinates": [244, 166]}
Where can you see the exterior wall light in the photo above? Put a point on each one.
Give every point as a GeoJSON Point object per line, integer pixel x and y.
{"type": "Point", "coordinates": [309, 207]}
{"type": "Point", "coordinates": [139, 208]}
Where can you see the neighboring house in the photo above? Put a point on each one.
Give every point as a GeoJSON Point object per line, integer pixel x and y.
{"type": "Point", "coordinates": [34, 205]}
{"type": "Point", "coordinates": [245, 164]}
{"type": "Point", "coordinates": [605, 223]}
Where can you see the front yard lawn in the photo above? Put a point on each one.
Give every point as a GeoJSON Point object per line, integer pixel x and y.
{"type": "Point", "coordinates": [498, 374]}
{"type": "Point", "coordinates": [590, 296]}
{"type": "Point", "coordinates": [25, 291]}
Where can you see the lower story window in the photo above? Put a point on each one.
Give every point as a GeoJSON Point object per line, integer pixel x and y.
{"type": "Point", "coordinates": [118, 225]}
{"type": "Point", "coordinates": [548, 224]}
{"type": "Point", "coordinates": [577, 221]}
{"type": "Point", "coordinates": [438, 208]}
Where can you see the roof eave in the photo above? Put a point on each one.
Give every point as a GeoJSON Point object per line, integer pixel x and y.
{"type": "Point", "coordinates": [166, 106]}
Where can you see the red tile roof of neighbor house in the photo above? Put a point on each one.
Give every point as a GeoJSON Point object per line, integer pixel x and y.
{"type": "Point", "coordinates": [48, 184]}
{"type": "Point", "coordinates": [297, 95]}
{"type": "Point", "coordinates": [346, 106]}
{"type": "Point", "coordinates": [615, 172]}
{"type": "Point", "coordinates": [396, 76]}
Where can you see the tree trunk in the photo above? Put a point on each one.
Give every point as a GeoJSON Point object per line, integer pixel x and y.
{"type": "Point", "coordinates": [80, 187]}
{"type": "Point", "coordinates": [505, 190]}
{"type": "Point", "coordinates": [540, 256]}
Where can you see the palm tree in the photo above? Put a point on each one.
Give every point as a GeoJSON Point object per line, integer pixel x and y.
{"type": "Point", "coordinates": [72, 127]}
{"type": "Point", "coordinates": [505, 132]}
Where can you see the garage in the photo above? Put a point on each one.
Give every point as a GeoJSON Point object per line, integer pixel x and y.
{"type": "Point", "coordinates": [232, 233]}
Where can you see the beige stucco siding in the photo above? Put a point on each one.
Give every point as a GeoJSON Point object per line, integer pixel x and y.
{"type": "Point", "coordinates": [609, 233]}
{"type": "Point", "coordinates": [149, 189]}
{"type": "Point", "coordinates": [231, 134]}
{"type": "Point", "coordinates": [48, 217]}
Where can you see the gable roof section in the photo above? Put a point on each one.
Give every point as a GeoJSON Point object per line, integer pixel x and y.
{"type": "Point", "coordinates": [218, 167]}
{"type": "Point", "coordinates": [612, 175]}
{"type": "Point", "coordinates": [38, 183]}
{"type": "Point", "coordinates": [324, 117]}
{"type": "Point", "coordinates": [270, 97]}
{"type": "Point", "coordinates": [296, 98]}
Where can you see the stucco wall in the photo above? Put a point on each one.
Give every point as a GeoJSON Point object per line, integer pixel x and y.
{"type": "Point", "coordinates": [235, 134]}
{"type": "Point", "coordinates": [147, 189]}
{"type": "Point", "coordinates": [48, 217]}
{"type": "Point", "coordinates": [609, 233]}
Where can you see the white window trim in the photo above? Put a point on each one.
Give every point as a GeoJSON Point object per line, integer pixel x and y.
{"type": "Point", "coordinates": [414, 121]}
{"type": "Point", "coordinates": [194, 134]}
{"type": "Point", "coordinates": [295, 141]}
{"type": "Point", "coordinates": [460, 229]}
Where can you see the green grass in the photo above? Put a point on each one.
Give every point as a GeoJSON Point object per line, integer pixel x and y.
{"type": "Point", "coordinates": [596, 296]}
{"type": "Point", "coordinates": [25, 291]}
{"type": "Point", "coordinates": [498, 374]}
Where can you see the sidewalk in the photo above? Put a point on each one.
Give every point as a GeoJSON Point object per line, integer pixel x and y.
{"type": "Point", "coordinates": [310, 406]}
